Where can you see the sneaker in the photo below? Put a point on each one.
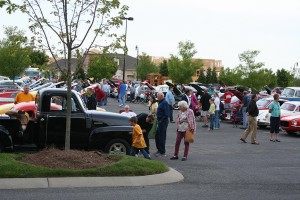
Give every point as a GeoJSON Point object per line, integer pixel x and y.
{"type": "Point", "coordinates": [183, 159]}
{"type": "Point", "coordinates": [163, 155]}
{"type": "Point", "coordinates": [174, 158]}
{"type": "Point", "coordinates": [156, 154]}
{"type": "Point", "coordinates": [172, 122]}
{"type": "Point", "coordinates": [205, 126]}
{"type": "Point", "coordinates": [216, 128]}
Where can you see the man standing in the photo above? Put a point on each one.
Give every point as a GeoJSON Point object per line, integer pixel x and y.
{"type": "Point", "coordinates": [106, 90]}
{"type": "Point", "coordinates": [24, 96]}
{"type": "Point", "coordinates": [162, 125]}
{"type": "Point", "coordinates": [171, 101]}
{"type": "Point", "coordinates": [244, 106]}
{"type": "Point", "coordinates": [123, 89]}
{"type": "Point", "coordinates": [100, 95]}
{"type": "Point", "coordinates": [252, 111]}
{"type": "Point", "coordinates": [204, 101]}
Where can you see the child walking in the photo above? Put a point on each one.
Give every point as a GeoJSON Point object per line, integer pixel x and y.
{"type": "Point", "coordinates": [138, 141]}
{"type": "Point", "coordinates": [211, 112]}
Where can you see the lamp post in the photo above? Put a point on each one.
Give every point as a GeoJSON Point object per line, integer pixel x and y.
{"type": "Point", "coordinates": [125, 47]}
{"type": "Point", "coordinates": [137, 61]}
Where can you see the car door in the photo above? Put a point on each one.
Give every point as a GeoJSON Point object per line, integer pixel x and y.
{"type": "Point", "coordinates": [56, 124]}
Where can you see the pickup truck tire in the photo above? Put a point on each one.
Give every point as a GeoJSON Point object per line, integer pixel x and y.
{"type": "Point", "coordinates": [1, 147]}
{"type": "Point", "coordinates": [118, 146]}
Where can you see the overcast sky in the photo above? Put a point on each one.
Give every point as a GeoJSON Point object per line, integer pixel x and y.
{"type": "Point", "coordinates": [220, 29]}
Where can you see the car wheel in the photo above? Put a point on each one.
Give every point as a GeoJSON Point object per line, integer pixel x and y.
{"type": "Point", "coordinates": [291, 133]}
{"type": "Point", "coordinates": [118, 146]}
{"type": "Point", "coordinates": [262, 126]}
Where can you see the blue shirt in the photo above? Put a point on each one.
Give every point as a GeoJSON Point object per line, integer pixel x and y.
{"type": "Point", "coordinates": [163, 111]}
{"type": "Point", "coordinates": [275, 107]}
{"type": "Point", "coordinates": [169, 96]}
{"type": "Point", "coordinates": [123, 89]}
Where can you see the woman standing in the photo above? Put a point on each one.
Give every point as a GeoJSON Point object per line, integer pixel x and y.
{"type": "Point", "coordinates": [152, 115]}
{"type": "Point", "coordinates": [153, 105]}
{"type": "Point", "coordinates": [185, 121]}
{"type": "Point", "coordinates": [274, 109]}
{"type": "Point", "coordinates": [217, 112]}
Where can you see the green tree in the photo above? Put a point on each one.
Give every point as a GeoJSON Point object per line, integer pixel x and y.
{"type": "Point", "coordinates": [102, 66]}
{"type": "Point", "coordinates": [284, 78]}
{"type": "Point", "coordinates": [38, 58]}
{"type": "Point", "coordinates": [230, 76]}
{"type": "Point", "coordinates": [146, 66]}
{"type": "Point", "coordinates": [69, 25]}
{"type": "Point", "coordinates": [182, 67]}
{"type": "Point", "coordinates": [202, 77]}
{"type": "Point", "coordinates": [214, 78]}
{"type": "Point", "coordinates": [163, 68]}
{"type": "Point", "coordinates": [14, 54]}
{"type": "Point", "coordinates": [208, 76]}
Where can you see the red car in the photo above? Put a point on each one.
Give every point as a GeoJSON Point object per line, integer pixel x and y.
{"type": "Point", "coordinates": [290, 124]}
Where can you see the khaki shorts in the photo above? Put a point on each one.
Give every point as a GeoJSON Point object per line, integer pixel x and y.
{"type": "Point", "coordinates": [204, 113]}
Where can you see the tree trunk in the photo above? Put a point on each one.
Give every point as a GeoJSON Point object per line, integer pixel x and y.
{"type": "Point", "coordinates": [68, 117]}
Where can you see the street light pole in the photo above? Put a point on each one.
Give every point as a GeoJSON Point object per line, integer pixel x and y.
{"type": "Point", "coordinates": [125, 47]}
{"type": "Point", "coordinates": [137, 61]}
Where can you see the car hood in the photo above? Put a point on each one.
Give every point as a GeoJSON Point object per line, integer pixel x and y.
{"type": "Point", "coordinates": [108, 118]}
{"type": "Point", "coordinates": [288, 118]}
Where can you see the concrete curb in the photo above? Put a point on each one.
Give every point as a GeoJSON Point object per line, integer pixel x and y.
{"type": "Point", "coordinates": [172, 176]}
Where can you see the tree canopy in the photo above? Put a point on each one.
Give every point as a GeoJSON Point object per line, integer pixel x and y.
{"type": "Point", "coordinates": [146, 66]}
{"type": "Point", "coordinates": [102, 66]}
{"type": "Point", "coordinates": [14, 54]}
{"type": "Point", "coordinates": [163, 68]}
{"type": "Point", "coordinates": [182, 67]}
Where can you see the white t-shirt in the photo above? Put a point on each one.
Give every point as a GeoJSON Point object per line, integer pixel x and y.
{"type": "Point", "coordinates": [128, 114]}
{"type": "Point", "coordinates": [217, 102]}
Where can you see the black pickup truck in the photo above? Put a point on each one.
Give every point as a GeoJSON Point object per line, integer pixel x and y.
{"type": "Point", "coordinates": [90, 129]}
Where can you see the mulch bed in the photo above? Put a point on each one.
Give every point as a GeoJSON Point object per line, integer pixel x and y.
{"type": "Point", "coordinates": [72, 159]}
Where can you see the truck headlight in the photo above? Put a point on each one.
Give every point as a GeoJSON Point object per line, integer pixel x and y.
{"type": "Point", "coordinates": [294, 122]}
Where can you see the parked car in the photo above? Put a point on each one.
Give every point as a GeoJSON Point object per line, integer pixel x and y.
{"type": "Point", "coordinates": [289, 108]}
{"type": "Point", "coordinates": [290, 124]}
{"type": "Point", "coordinates": [291, 94]}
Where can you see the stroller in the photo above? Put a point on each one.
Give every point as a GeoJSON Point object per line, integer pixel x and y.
{"type": "Point", "coordinates": [237, 117]}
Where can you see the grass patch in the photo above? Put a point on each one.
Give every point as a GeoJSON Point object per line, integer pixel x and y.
{"type": "Point", "coordinates": [11, 167]}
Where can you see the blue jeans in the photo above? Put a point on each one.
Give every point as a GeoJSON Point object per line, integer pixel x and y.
{"type": "Point", "coordinates": [122, 99]}
{"type": "Point", "coordinates": [245, 118]}
{"type": "Point", "coordinates": [106, 97]}
{"type": "Point", "coordinates": [217, 119]}
{"type": "Point", "coordinates": [160, 136]}
{"type": "Point", "coordinates": [211, 121]}
{"type": "Point", "coordinates": [100, 103]}
{"type": "Point", "coordinates": [134, 151]}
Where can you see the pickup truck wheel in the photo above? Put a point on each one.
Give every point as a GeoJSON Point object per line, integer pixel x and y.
{"type": "Point", "coordinates": [118, 146]}
{"type": "Point", "coordinates": [1, 147]}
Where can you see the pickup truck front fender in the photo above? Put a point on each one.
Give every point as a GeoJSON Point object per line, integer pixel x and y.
{"type": "Point", "coordinates": [100, 136]}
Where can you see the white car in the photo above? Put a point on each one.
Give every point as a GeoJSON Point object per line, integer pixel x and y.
{"type": "Point", "coordinates": [289, 108]}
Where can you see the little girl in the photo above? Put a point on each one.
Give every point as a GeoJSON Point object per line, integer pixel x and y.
{"type": "Point", "coordinates": [211, 112]}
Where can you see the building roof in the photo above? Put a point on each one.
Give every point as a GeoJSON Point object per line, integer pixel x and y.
{"type": "Point", "coordinates": [62, 63]}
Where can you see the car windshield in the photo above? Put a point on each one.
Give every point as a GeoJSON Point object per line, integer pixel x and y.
{"type": "Point", "coordinates": [288, 107]}
{"type": "Point", "coordinates": [288, 92]}
{"type": "Point", "coordinates": [262, 103]}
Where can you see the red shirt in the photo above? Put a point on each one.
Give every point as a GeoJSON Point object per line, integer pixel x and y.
{"type": "Point", "coordinates": [227, 97]}
{"type": "Point", "coordinates": [99, 94]}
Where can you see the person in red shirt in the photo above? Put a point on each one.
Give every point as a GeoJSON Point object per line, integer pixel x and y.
{"type": "Point", "coordinates": [227, 99]}
{"type": "Point", "coordinates": [100, 96]}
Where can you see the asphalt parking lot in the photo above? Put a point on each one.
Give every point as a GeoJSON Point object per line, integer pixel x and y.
{"type": "Point", "coordinates": [219, 166]}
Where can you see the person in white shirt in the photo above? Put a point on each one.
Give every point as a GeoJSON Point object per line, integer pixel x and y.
{"type": "Point", "coordinates": [127, 112]}
{"type": "Point", "coordinates": [217, 112]}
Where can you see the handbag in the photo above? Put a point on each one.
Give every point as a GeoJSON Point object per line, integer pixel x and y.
{"type": "Point", "coordinates": [152, 131]}
{"type": "Point", "coordinates": [189, 136]}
